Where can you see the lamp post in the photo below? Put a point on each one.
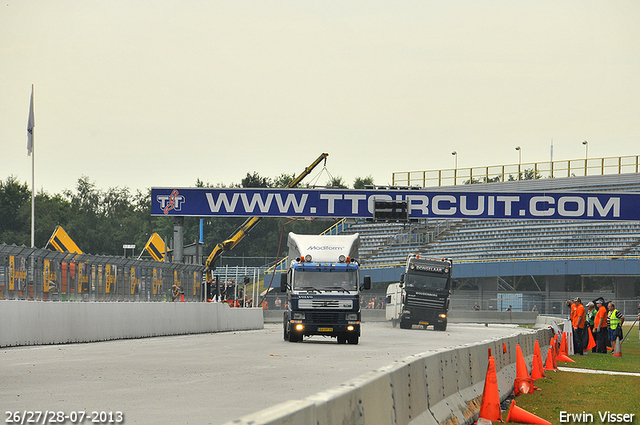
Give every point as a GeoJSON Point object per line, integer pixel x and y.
{"type": "Point", "coordinates": [586, 155]}
{"type": "Point", "coordinates": [519, 161]}
{"type": "Point", "coordinates": [455, 169]}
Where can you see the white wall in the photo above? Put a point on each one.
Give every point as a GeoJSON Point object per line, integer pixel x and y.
{"type": "Point", "coordinates": [38, 322]}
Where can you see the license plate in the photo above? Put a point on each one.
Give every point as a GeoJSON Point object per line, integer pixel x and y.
{"type": "Point", "coordinates": [325, 329]}
{"type": "Point", "coordinates": [424, 323]}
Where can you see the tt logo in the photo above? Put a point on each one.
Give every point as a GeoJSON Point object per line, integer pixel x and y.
{"type": "Point", "coordinates": [170, 202]}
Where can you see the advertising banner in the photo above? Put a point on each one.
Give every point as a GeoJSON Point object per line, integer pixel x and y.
{"type": "Point", "coordinates": [339, 203]}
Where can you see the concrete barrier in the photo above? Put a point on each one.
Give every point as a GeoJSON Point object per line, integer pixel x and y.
{"type": "Point", "coordinates": [510, 317]}
{"type": "Point", "coordinates": [546, 321]}
{"type": "Point", "coordinates": [455, 316]}
{"type": "Point", "coordinates": [441, 387]}
{"type": "Point", "coordinates": [38, 322]}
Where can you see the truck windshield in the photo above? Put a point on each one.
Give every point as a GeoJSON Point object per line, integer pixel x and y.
{"type": "Point", "coordinates": [319, 281]}
{"type": "Point", "coordinates": [426, 281]}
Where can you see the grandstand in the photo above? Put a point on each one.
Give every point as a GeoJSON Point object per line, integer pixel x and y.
{"type": "Point", "coordinates": [490, 253]}
{"type": "Point", "coordinates": [388, 244]}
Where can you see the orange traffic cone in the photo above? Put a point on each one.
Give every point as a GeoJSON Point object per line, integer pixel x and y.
{"type": "Point", "coordinates": [564, 358]}
{"type": "Point", "coordinates": [521, 416]}
{"type": "Point", "coordinates": [592, 342]}
{"type": "Point", "coordinates": [490, 407]}
{"type": "Point", "coordinates": [523, 383]}
{"type": "Point", "coordinates": [537, 371]}
{"type": "Point", "coordinates": [549, 364]}
{"type": "Point", "coordinates": [563, 344]}
{"type": "Point", "coordinates": [536, 351]}
{"type": "Point", "coordinates": [555, 353]}
{"type": "Point", "coordinates": [617, 352]}
{"type": "Point", "coordinates": [504, 348]}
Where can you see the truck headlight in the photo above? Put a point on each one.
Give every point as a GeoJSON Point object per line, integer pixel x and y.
{"type": "Point", "coordinates": [443, 316]}
{"type": "Point", "coordinates": [406, 311]}
{"type": "Point", "coordinates": [351, 316]}
{"type": "Point", "coordinates": [298, 316]}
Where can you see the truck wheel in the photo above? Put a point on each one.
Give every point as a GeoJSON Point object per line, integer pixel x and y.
{"type": "Point", "coordinates": [342, 339]}
{"type": "Point", "coordinates": [394, 322]}
{"type": "Point", "coordinates": [284, 327]}
{"type": "Point", "coordinates": [353, 340]}
{"type": "Point", "coordinates": [295, 337]}
{"type": "Point", "coordinates": [405, 325]}
{"type": "Point", "coordinates": [440, 327]}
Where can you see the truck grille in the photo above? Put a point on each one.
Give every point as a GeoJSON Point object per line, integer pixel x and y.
{"type": "Point", "coordinates": [425, 303]}
{"type": "Point", "coordinates": [329, 303]}
{"type": "Point", "coordinates": [322, 317]}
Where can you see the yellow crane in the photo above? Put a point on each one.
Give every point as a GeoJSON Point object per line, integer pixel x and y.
{"type": "Point", "coordinates": [250, 223]}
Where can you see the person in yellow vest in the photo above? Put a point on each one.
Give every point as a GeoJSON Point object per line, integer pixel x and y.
{"type": "Point", "coordinates": [615, 319]}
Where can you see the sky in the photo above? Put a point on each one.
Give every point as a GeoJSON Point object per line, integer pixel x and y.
{"type": "Point", "coordinates": [161, 93]}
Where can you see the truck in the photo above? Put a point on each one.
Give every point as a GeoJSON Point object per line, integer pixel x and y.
{"type": "Point", "coordinates": [323, 287]}
{"type": "Point", "coordinates": [422, 295]}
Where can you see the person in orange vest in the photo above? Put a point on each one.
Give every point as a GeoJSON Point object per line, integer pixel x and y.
{"type": "Point", "coordinates": [572, 309]}
{"type": "Point", "coordinates": [600, 327]}
{"type": "Point", "coordinates": [577, 323]}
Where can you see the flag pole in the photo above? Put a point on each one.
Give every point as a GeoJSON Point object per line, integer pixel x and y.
{"type": "Point", "coordinates": [33, 199]}
{"type": "Point", "coordinates": [30, 146]}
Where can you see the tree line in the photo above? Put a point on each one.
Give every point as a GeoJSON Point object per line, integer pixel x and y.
{"type": "Point", "coordinates": [102, 221]}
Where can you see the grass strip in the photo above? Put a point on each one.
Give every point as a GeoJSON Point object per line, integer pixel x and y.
{"type": "Point", "coordinates": [574, 397]}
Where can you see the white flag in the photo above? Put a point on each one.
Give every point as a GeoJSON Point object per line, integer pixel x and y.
{"type": "Point", "coordinates": [30, 125]}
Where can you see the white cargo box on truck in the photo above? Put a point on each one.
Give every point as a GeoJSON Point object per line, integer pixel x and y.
{"type": "Point", "coordinates": [323, 248]}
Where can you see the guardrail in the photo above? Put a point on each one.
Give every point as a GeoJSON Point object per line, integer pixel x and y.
{"type": "Point", "coordinates": [522, 171]}
{"type": "Point", "coordinates": [439, 387]}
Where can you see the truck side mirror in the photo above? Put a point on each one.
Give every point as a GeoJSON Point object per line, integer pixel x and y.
{"type": "Point", "coordinates": [402, 278]}
{"type": "Point", "coordinates": [283, 282]}
{"type": "Point", "coordinates": [367, 282]}
{"type": "Point", "coordinates": [454, 283]}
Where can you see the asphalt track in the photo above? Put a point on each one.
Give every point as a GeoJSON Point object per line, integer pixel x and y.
{"type": "Point", "coordinates": [205, 378]}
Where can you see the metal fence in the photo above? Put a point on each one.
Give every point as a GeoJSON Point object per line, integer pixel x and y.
{"type": "Point", "coordinates": [40, 274]}
{"type": "Point", "coordinates": [554, 304]}
{"type": "Point", "coordinates": [522, 171]}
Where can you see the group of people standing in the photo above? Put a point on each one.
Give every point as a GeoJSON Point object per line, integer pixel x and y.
{"type": "Point", "coordinates": [604, 324]}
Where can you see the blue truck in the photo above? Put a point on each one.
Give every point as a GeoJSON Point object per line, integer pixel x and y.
{"type": "Point", "coordinates": [323, 287]}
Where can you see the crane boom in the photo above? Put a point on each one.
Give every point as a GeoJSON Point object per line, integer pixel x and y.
{"type": "Point", "coordinates": [250, 223]}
